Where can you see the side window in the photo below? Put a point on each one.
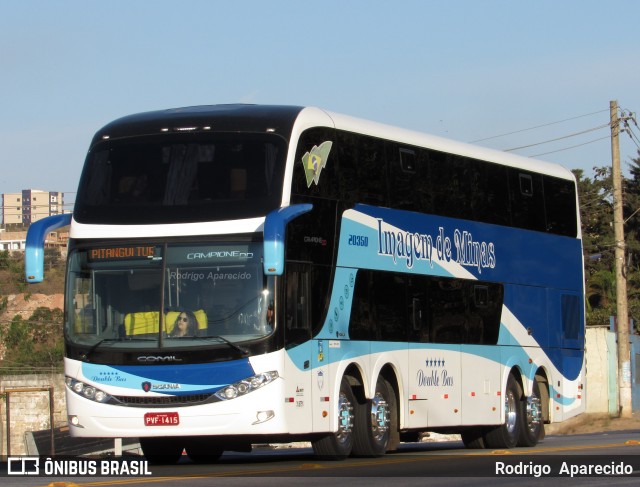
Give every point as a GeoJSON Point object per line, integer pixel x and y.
{"type": "Point", "coordinates": [485, 309]}
{"type": "Point", "coordinates": [297, 317]}
{"type": "Point", "coordinates": [390, 303]}
{"type": "Point", "coordinates": [570, 317]}
{"type": "Point", "coordinates": [362, 310]}
{"type": "Point", "coordinates": [363, 174]}
{"type": "Point", "coordinates": [404, 177]}
{"type": "Point", "coordinates": [379, 307]}
{"type": "Point", "coordinates": [436, 309]}
{"type": "Point", "coordinates": [319, 286]}
{"type": "Point", "coordinates": [526, 200]}
{"type": "Point", "coordinates": [452, 188]}
{"type": "Point", "coordinates": [311, 236]}
{"type": "Point", "coordinates": [560, 206]}
{"type": "Point", "coordinates": [489, 193]}
{"type": "Point", "coordinates": [419, 309]}
{"type": "Point", "coordinates": [448, 306]}
{"type": "Point", "coordinates": [464, 311]}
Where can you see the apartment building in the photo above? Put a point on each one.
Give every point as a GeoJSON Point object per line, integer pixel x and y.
{"type": "Point", "coordinates": [30, 205]}
{"type": "Point", "coordinates": [19, 210]}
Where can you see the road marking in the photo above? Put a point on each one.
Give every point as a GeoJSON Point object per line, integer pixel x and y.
{"type": "Point", "coordinates": [352, 463]}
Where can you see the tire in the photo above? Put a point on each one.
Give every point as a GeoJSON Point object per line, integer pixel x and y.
{"type": "Point", "coordinates": [162, 451]}
{"type": "Point", "coordinates": [507, 435]}
{"type": "Point", "coordinates": [473, 438]}
{"type": "Point", "coordinates": [338, 445]}
{"type": "Point", "coordinates": [376, 422]}
{"type": "Point", "coordinates": [532, 423]}
{"type": "Point", "coordinates": [202, 449]}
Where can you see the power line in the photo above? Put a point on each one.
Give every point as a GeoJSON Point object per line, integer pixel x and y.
{"type": "Point", "coordinates": [633, 137]}
{"type": "Point", "coordinates": [537, 126]}
{"type": "Point", "coordinates": [571, 147]}
{"type": "Point", "coordinates": [558, 138]}
{"type": "Point", "coordinates": [629, 130]}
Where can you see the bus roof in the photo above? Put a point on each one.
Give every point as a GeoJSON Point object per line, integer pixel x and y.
{"type": "Point", "coordinates": [410, 137]}
{"type": "Point", "coordinates": [228, 118]}
{"type": "Point", "coordinates": [281, 119]}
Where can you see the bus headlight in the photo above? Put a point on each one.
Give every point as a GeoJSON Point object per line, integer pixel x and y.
{"type": "Point", "coordinates": [86, 390]}
{"type": "Point", "coordinates": [245, 386]}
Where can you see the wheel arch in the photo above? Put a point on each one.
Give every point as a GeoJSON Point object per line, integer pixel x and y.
{"type": "Point", "coordinates": [516, 371]}
{"type": "Point", "coordinates": [356, 377]}
{"type": "Point", "coordinates": [542, 378]}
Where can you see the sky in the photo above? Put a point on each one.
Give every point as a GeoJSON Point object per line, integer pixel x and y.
{"type": "Point", "coordinates": [469, 70]}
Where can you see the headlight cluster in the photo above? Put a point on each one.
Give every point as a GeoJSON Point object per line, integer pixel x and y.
{"type": "Point", "coordinates": [86, 390]}
{"type": "Point", "coordinates": [245, 386]}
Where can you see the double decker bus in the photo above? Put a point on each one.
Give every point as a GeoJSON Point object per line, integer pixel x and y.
{"type": "Point", "coordinates": [243, 274]}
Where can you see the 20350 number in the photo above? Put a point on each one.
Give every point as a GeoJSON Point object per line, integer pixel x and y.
{"type": "Point", "coordinates": [358, 240]}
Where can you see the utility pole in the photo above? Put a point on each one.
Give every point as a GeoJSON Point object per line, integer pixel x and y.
{"type": "Point", "coordinates": [624, 355]}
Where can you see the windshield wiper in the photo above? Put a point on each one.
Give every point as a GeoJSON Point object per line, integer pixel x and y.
{"type": "Point", "coordinates": [111, 340]}
{"type": "Point", "coordinates": [240, 349]}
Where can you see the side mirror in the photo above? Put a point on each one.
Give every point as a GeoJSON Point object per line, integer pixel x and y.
{"type": "Point", "coordinates": [36, 235]}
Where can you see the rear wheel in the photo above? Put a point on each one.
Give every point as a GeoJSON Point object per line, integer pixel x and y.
{"type": "Point", "coordinates": [532, 428]}
{"type": "Point", "coordinates": [374, 422]}
{"type": "Point", "coordinates": [338, 445]}
{"type": "Point", "coordinates": [162, 451]}
{"type": "Point", "coordinates": [506, 435]}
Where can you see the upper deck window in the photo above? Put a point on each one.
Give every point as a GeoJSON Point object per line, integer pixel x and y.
{"type": "Point", "coordinates": [176, 178]}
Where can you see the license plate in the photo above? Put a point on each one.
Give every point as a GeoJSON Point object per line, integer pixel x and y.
{"type": "Point", "coordinates": [161, 419]}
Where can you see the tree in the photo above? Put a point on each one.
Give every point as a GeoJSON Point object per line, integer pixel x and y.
{"type": "Point", "coordinates": [34, 343]}
{"type": "Point", "coordinates": [596, 211]}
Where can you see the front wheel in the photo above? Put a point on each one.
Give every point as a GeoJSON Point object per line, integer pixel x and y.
{"type": "Point", "coordinates": [202, 449]}
{"type": "Point", "coordinates": [162, 451]}
{"type": "Point", "coordinates": [338, 445]}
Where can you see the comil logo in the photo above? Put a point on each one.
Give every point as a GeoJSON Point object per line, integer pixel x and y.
{"type": "Point", "coordinates": [158, 358]}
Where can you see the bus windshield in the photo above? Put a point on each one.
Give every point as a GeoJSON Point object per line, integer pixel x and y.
{"type": "Point", "coordinates": [173, 295]}
{"type": "Point", "coordinates": [177, 178]}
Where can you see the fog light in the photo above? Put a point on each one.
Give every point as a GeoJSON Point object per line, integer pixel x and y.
{"type": "Point", "coordinates": [74, 420]}
{"type": "Point", "coordinates": [262, 416]}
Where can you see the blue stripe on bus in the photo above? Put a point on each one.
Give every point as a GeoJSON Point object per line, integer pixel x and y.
{"type": "Point", "coordinates": [177, 379]}
{"type": "Point", "coordinates": [519, 260]}
{"type": "Point", "coordinates": [521, 256]}
{"type": "Point", "coordinates": [499, 354]}
{"type": "Point", "coordinates": [351, 350]}
{"type": "Point", "coordinates": [559, 398]}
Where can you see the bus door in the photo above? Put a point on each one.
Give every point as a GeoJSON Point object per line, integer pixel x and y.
{"type": "Point", "coordinates": [298, 344]}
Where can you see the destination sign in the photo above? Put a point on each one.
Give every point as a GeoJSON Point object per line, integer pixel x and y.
{"type": "Point", "coordinates": [121, 253]}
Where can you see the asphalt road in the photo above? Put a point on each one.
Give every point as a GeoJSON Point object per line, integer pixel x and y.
{"type": "Point", "coordinates": [612, 458]}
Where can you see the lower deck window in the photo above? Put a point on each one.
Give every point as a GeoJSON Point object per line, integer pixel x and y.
{"type": "Point", "coordinates": [390, 306]}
